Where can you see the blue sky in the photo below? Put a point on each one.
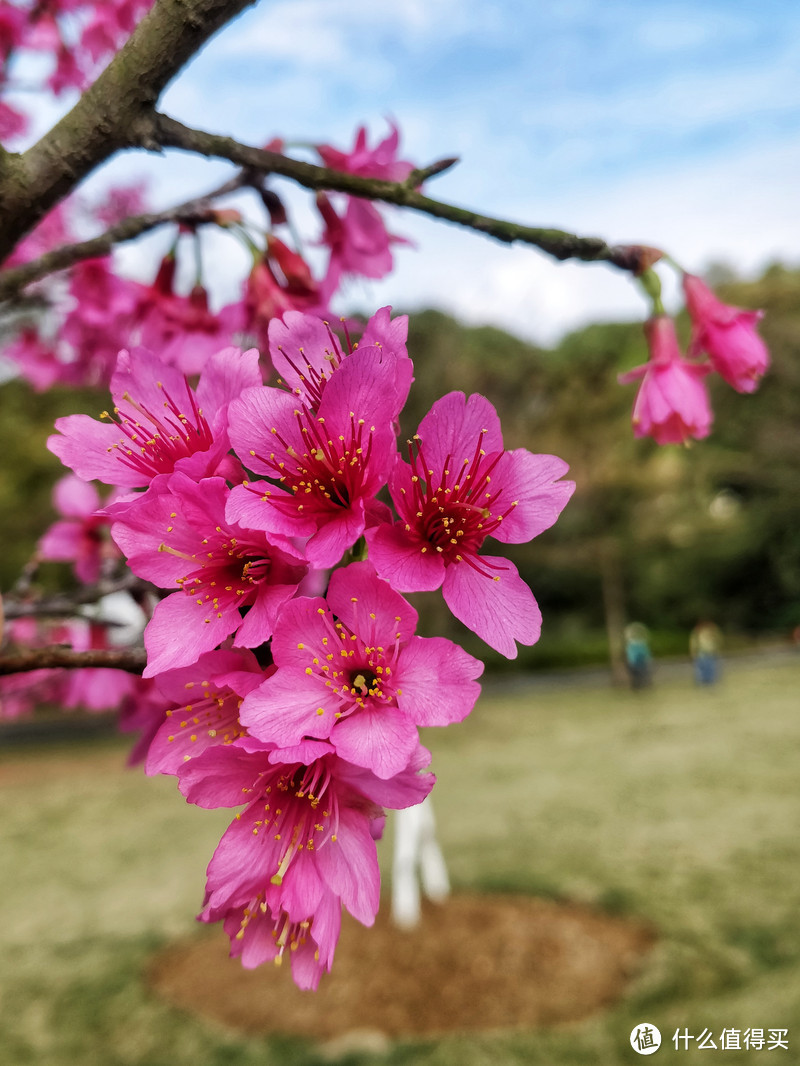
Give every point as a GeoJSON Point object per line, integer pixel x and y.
{"type": "Point", "coordinates": [676, 124]}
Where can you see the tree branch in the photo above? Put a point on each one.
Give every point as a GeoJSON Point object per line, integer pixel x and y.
{"type": "Point", "coordinates": [108, 114]}
{"type": "Point", "coordinates": [168, 133]}
{"type": "Point", "coordinates": [16, 278]}
{"type": "Point", "coordinates": [66, 604]}
{"type": "Point", "coordinates": [132, 660]}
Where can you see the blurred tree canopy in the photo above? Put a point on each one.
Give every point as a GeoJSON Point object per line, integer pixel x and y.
{"type": "Point", "coordinates": [662, 535]}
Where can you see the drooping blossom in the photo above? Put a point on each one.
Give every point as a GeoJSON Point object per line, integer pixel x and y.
{"type": "Point", "coordinates": [378, 162]}
{"type": "Point", "coordinates": [359, 242]}
{"type": "Point", "coordinates": [159, 424]}
{"type": "Point", "coordinates": [80, 537]}
{"type": "Point", "coordinates": [305, 352]}
{"type": "Point", "coordinates": [305, 830]}
{"type": "Point", "coordinates": [280, 281]}
{"type": "Point", "coordinates": [199, 707]}
{"type": "Point", "coordinates": [352, 671]}
{"type": "Point", "coordinates": [257, 936]}
{"type": "Point", "coordinates": [177, 535]}
{"type": "Point", "coordinates": [727, 335]}
{"type": "Point", "coordinates": [183, 329]}
{"type": "Point", "coordinates": [459, 488]}
{"type": "Point", "coordinates": [356, 234]}
{"type": "Point", "coordinates": [326, 465]}
{"type": "Point", "coordinates": [672, 403]}
{"type": "Point", "coordinates": [98, 324]}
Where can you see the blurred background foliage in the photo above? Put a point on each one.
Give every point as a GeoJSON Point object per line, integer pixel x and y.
{"type": "Point", "coordinates": [662, 535]}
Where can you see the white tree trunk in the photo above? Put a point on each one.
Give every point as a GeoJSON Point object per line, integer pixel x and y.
{"type": "Point", "coordinates": [418, 861]}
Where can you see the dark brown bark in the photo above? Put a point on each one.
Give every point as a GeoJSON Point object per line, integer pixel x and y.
{"type": "Point", "coordinates": [108, 115]}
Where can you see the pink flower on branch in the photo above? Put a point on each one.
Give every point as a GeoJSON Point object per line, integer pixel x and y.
{"type": "Point", "coordinates": [257, 936]}
{"type": "Point", "coordinates": [79, 538]}
{"type": "Point", "coordinates": [159, 423]}
{"type": "Point", "coordinates": [378, 162]}
{"type": "Point", "coordinates": [305, 352]}
{"type": "Point", "coordinates": [353, 672]}
{"type": "Point", "coordinates": [459, 488]}
{"type": "Point", "coordinates": [326, 465]}
{"type": "Point", "coordinates": [672, 402]}
{"type": "Point", "coordinates": [305, 831]}
{"type": "Point", "coordinates": [201, 707]}
{"type": "Point", "coordinates": [728, 336]}
{"type": "Point", "coordinates": [176, 534]}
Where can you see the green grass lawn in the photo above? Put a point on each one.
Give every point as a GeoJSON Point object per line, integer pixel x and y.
{"type": "Point", "coordinates": [675, 805]}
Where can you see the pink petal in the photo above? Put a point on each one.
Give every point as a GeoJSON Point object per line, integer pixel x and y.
{"type": "Point", "coordinates": [436, 680]}
{"type": "Point", "coordinates": [370, 607]}
{"type": "Point", "coordinates": [532, 482]}
{"type": "Point", "coordinates": [74, 498]}
{"type": "Point", "coordinates": [181, 630]}
{"type": "Point", "coordinates": [453, 426]}
{"type": "Point", "coordinates": [405, 562]}
{"type": "Point", "coordinates": [500, 612]}
{"type": "Point", "coordinates": [383, 740]}
{"type": "Point", "coordinates": [286, 707]}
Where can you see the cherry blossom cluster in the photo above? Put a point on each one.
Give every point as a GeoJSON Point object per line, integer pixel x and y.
{"type": "Point", "coordinates": [285, 673]}
{"type": "Point", "coordinates": [94, 312]}
{"type": "Point", "coordinates": [78, 36]}
{"type": "Point", "coordinates": [672, 404]}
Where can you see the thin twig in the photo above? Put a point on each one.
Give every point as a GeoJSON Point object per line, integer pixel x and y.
{"type": "Point", "coordinates": [196, 211]}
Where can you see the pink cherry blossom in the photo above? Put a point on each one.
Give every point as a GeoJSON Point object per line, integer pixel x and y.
{"type": "Point", "coordinates": [352, 671]}
{"type": "Point", "coordinates": [200, 707]}
{"type": "Point", "coordinates": [305, 830]}
{"type": "Point", "coordinates": [177, 535]}
{"type": "Point", "coordinates": [159, 423]}
{"type": "Point", "coordinates": [327, 465]}
{"type": "Point", "coordinates": [305, 352]}
{"type": "Point", "coordinates": [672, 402]}
{"type": "Point", "coordinates": [727, 334]}
{"type": "Point", "coordinates": [360, 245]}
{"type": "Point", "coordinates": [36, 359]}
{"type": "Point", "coordinates": [378, 162]}
{"type": "Point", "coordinates": [257, 936]}
{"type": "Point", "coordinates": [79, 537]}
{"type": "Point", "coordinates": [459, 488]}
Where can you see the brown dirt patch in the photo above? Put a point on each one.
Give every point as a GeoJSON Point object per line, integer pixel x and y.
{"type": "Point", "coordinates": [473, 963]}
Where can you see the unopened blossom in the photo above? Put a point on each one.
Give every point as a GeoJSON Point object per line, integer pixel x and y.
{"type": "Point", "coordinates": [727, 335]}
{"type": "Point", "coordinates": [326, 466]}
{"type": "Point", "coordinates": [351, 670]}
{"type": "Point", "coordinates": [672, 403]}
{"type": "Point", "coordinates": [80, 537]}
{"type": "Point", "coordinates": [280, 281]}
{"type": "Point", "coordinates": [459, 487]}
{"type": "Point", "coordinates": [158, 423]}
{"type": "Point", "coordinates": [177, 536]}
{"type": "Point", "coordinates": [200, 707]}
{"type": "Point", "coordinates": [305, 830]}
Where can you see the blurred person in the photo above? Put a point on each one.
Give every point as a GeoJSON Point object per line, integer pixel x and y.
{"type": "Point", "coordinates": [705, 644]}
{"type": "Point", "coordinates": [637, 655]}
